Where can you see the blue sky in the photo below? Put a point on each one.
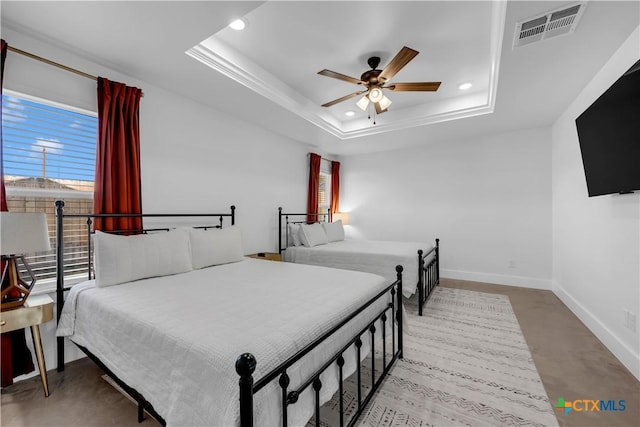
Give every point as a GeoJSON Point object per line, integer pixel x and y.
{"type": "Point", "coordinates": [33, 131]}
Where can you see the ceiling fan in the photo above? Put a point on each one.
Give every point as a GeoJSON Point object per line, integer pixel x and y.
{"type": "Point", "coordinates": [375, 81]}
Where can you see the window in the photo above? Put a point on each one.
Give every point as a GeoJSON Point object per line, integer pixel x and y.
{"type": "Point", "coordinates": [49, 154]}
{"type": "Point", "coordinates": [324, 187]}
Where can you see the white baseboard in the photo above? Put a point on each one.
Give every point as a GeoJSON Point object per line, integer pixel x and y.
{"type": "Point", "coordinates": [625, 354]}
{"type": "Point", "coordinates": [498, 279]}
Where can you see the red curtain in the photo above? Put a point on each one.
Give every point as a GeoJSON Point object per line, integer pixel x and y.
{"type": "Point", "coordinates": [314, 182]}
{"type": "Point", "coordinates": [117, 182]}
{"type": "Point", "coordinates": [3, 192]}
{"type": "Point", "coordinates": [335, 187]}
{"type": "Point", "coordinates": [16, 357]}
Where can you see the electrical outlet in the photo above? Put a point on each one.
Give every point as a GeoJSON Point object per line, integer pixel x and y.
{"type": "Point", "coordinates": [630, 320]}
{"type": "Point", "coordinates": [512, 263]}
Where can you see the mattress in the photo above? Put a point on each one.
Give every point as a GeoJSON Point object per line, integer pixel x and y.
{"type": "Point", "coordinates": [372, 256]}
{"type": "Point", "coordinates": [175, 338]}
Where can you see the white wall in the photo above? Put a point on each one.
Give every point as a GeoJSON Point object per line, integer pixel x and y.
{"type": "Point", "coordinates": [193, 158]}
{"type": "Point", "coordinates": [596, 241]}
{"type": "Point", "coordinates": [488, 199]}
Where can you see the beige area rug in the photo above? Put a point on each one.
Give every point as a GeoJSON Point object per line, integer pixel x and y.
{"type": "Point", "coordinates": [465, 363]}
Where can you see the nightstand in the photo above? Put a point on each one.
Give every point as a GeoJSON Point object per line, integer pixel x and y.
{"type": "Point", "coordinates": [36, 310]}
{"type": "Point", "coordinates": [270, 256]}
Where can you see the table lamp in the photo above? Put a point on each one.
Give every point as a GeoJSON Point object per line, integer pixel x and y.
{"type": "Point", "coordinates": [20, 233]}
{"type": "Point", "coordinates": [342, 216]}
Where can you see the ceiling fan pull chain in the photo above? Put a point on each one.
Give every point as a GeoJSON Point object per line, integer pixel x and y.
{"type": "Point", "coordinates": [370, 109]}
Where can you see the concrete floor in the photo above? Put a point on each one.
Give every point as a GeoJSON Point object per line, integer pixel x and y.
{"type": "Point", "coordinates": [572, 364]}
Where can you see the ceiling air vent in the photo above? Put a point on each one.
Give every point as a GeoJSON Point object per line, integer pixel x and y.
{"type": "Point", "coordinates": [551, 24]}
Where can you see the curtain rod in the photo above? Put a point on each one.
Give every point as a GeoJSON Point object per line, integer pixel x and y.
{"type": "Point", "coordinates": [50, 62]}
{"type": "Point", "coordinates": [328, 160]}
{"type": "Point", "coordinates": [47, 61]}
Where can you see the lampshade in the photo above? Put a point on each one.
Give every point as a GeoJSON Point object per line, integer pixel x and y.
{"type": "Point", "coordinates": [344, 216]}
{"type": "Point", "coordinates": [22, 233]}
{"type": "Point", "coordinates": [384, 103]}
{"type": "Point", "coordinates": [375, 94]}
{"type": "Point", "coordinates": [363, 103]}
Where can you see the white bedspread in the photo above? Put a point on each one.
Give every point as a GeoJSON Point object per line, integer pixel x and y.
{"type": "Point", "coordinates": [175, 339]}
{"type": "Point", "coordinates": [373, 256]}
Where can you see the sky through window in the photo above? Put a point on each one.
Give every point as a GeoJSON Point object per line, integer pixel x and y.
{"type": "Point", "coordinates": [46, 141]}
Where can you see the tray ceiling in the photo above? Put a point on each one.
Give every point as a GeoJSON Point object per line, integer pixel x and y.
{"type": "Point", "coordinates": [285, 44]}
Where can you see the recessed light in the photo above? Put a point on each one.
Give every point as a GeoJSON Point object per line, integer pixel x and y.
{"type": "Point", "coordinates": [465, 86]}
{"type": "Point", "coordinates": [349, 113]}
{"type": "Point", "coordinates": [238, 24]}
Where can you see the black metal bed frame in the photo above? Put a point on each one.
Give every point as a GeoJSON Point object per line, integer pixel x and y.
{"type": "Point", "coordinates": [246, 363]}
{"type": "Point", "coordinates": [428, 272]}
{"type": "Point", "coordinates": [143, 404]}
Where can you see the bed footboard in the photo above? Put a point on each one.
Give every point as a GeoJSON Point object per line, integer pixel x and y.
{"type": "Point", "coordinates": [428, 274]}
{"type": "Point", "coordinates": [246, 363]}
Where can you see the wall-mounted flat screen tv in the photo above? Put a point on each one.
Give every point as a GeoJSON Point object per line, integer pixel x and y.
{"type": "Point", "coordinates": [609, 135]}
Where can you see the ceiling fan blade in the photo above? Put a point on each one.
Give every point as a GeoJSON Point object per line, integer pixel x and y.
{"type": "Point", "coordinates": [397, 63]}
{"type": "Point", "coordinates": [344, 98]}
{"type": "Point", "coordinates": [379, 109]}
{"type": "Point", "coordinates": [339, 76]}
{"type": "Point", "coordinates": [416, 86]}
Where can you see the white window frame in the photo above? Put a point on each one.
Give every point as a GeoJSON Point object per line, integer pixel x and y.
{"type": "Point", "coordinates": [325, 174]}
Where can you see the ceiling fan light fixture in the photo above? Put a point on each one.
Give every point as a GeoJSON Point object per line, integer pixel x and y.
{"type": "Point", "coordinates": [375, 94]}
{"type": "Point", "coordinates": [384, 103]}
{"type": "Point", "coordinates": [374, 81]}
{"type": "Point", "coordinates": [349, 113]}
{"type": "Point", "coordinates": [363, 103]}
{"type": "Point", "coordinates": [465, 86]}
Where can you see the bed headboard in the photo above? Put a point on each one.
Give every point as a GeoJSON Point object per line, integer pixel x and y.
{"type": "Point", "coordinates": [86, 221]}
{"type": "Point", "coordinates": [284, 219]}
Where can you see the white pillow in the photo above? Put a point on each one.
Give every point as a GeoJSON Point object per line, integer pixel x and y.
{"type": "Point", "coordinates": [334, 230]}
{"type": "Point", "coordinates": [294, 237]}
{"type": "Point", "coordinates": [313, 235]}
{"type": "Point", "coordinates": [214, 247]}
{"type": "Point", "coordinates": [121, 259]}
